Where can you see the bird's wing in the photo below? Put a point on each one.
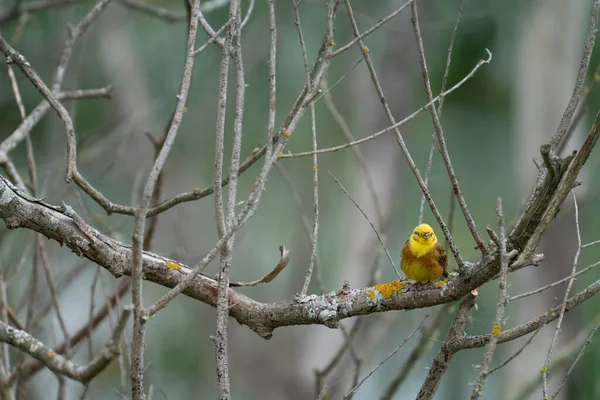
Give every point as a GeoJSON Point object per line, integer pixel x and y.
{"type": "Point", "coordinates": [442, 258]}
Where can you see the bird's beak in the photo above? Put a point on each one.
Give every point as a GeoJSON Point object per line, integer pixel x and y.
{"type": "Point", "coordinates": [426, 235]}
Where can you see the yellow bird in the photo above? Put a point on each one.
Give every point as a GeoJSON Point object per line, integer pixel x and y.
{"type": "Point", "coordinates": [423, 258]}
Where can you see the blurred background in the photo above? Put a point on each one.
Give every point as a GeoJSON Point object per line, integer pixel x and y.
{"type": "Point", "coordinates": [494, 125]}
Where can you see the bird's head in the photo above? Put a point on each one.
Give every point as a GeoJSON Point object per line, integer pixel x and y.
{"type": "Point", "coordinates": [423, 237]}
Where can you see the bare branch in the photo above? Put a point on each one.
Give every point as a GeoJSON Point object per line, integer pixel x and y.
{"type": "Point", "coordinates": [568, 278]}
{"type": "Point", "coordinates": [232, 47]}
{"type": "Point", "coordinates": [370, 30]}
{"type": "Point", "coordinates": [429, 334]}
{"type": "Point", "coordinates": [385, 359]}
{"type": "Point", "coordinates": [441, 104]}
{"type": "Point", "coordinates": [283, 262]}
{"type": "Point", "coordinates": [75, 33]}
{"type": "Point", "coordinates": [57, 363]}
{"type": "Point", "coordinates": [315, 230]}
{"type": "Point", "coordinates": [32, 7]}
{"type": "Point", "coordinates": [399, 137]}
{"type": "Point", "coordinates": [490, 348]}
{"type": "Point", "coordinates": [587, 342]}
{"type": "Point", "coordinates": [566, 119]}
{"type": "Point", "coordinates": [137, 344]}
{"type": "Point", "coordinates": [564, 303]}
{"type": "Point", "coordinates": [395, 125]}
{"type": "Point", "coordinates": [443, 358]}
{"type": "Point", "coordinates": [212, 38]}
{"type": "Point", "coordinates": [28, 370]}
{"type": "Point", "coordinates": [440, 135]}
{"type": "Point", "coordinates": [370, 223]}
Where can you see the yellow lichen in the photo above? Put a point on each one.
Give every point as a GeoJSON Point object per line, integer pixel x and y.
{"type": "Point", "coordinates": [280, 155]}
{"type": "Point", "coordinates": [287, 133]}
{"type": "Point", "coordinates": [366, 49]}
{"type": "Point", "coordinates": [370, 294]}
{"type": "Point", "coordinates": [314, 167]}
{"type": "Point", "coordinates": [387, 289]}
{"type": "Point", "coordinates": [496, 330]}
{"type": "Point", "coordinates": [51, 354]}
{"type": "Point", "coordinates": [172, 264]}
{"type": "Point", "coordinates": [544, 369]}
{"type": "Point", "coordinates": [331, 42]}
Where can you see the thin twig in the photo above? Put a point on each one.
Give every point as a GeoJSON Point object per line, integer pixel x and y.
{"type": "Point", "coordinates": [385, 359]}
{"type": "Point", "coordinates": [233, 48]}
{"type": "Point", "coordinates": [563, 307]}
{"type": "Point", "coordinates": [38, 112]}
{"type": "Point", "coordinates": [400, 139]}
{"type": "Point", "coordinates": [497, 327]}
{"type": "Point", "coordinates": [272, 79]}
{"type": "Point", "coordinates": [587, 342]}
{"type": "Point", "coordinates": [283, 262]}
{"type": "Point", "coordinates": [590, 244]}
{"type": "Point", "coordinates": [150, 9]}
{"type": "Point", "coordinates": [565, 121]}
{"type": "Point", "coordinates": [31, 368]}
{"type": "Point", "coordinates": [315, 180]}
{"type": "Point", "coordinates": [541, 289]}
{"type": "Point", "coordinates": [370, 223]}
{"type": "Point", "coordinates": [370, 30]}
{"type": "Point", "coordinates": [53, 294]}
{"type": "Point", "coordinates": [362, 162]}
{"type": "Point", "coordinates": [212, 38]}
{"type": "Point", "coordinates": [315, 230]}
{"type": "Point", "coordinates": [442, 360]}
{"type": "Point", "coordinates": [588, 90]}
{"type": "Point", "coordinates": [75, 32]}
{"type": "Point", "coordinates": [440, 105]}
{"type": "Point", "coordinates": [137, 344]}
{"type": "Point", "coordinates": [396, 125]}
{"type": "Point", "coordinates": [429, 334]}
{"type": "Point", "coordinates": [59, 364]}
{"type": "Point", "coordinates": [5, 390]}
{"type": "Point", "coordinates": [516, 354]}
{"type": "Point", "coordinates": [440, 134]}
{"type": "Point", "coordinates": [32, 7]}
{"type": "Point", "coordinates": [326, 89]}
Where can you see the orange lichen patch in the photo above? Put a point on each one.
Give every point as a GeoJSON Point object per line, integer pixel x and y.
{"type": "Point", "coordinates": [51, 354]}
{"type": "Point", "coordinates": [495, 330]}
{"type": "Point", "coordinates": [172, 264]}
{"type": "Point", "coordinates": [441, 283]}
{"type": "Point", "coordinates": [370, 294]}
{"type": "Point", "coordinates": [387, 289]}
